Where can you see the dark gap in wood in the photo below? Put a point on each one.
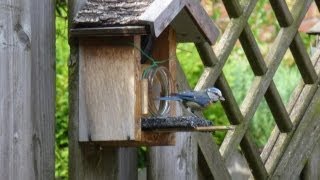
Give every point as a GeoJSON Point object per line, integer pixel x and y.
{"type": "Point", "coordinates": [109, 31]}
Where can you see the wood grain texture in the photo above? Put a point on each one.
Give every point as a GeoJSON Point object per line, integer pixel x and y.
{"type": "Point", "coordinates": [260, 84]}
{"type": "Point", "coordinates": [311, 169]}
{"type": "Point", "coordinates": [187, 17]}
{"type": "Point", "coordinates": [282, 12]}
{"type": "Point", "coordinates": [302, 142]}
{"type": "Point", "coordinates": [27, 90]}
{"type": "Point", "coordinates": [297, 107]}
{"type": "Point", "coordinates": [209, 152]}
{"type": "Point", "coordinates": [176, 162]}
{"type": "Point", "coordinates": [109, 89]}
{"type": "Point", "coordinates": [90, 161]}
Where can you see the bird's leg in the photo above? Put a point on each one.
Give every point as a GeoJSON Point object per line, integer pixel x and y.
{"type": "Point", "coordinates": [193, 113]}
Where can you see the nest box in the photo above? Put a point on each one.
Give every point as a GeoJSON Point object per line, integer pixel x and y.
{"type": "Point", "coordinates": [115, 37]}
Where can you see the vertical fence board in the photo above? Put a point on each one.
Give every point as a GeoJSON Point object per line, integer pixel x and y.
{"type": "Point", "coordinates": [27, 89]}
{"type": "Point", "coordinates": [90, 161]}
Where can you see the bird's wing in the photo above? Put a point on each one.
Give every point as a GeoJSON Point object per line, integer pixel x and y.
{"type": "Point", "coordinates": [170, 98]}
{"type": "Point", "coordinates": [195, 96]}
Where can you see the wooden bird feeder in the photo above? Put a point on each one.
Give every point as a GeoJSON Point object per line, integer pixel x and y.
{"type": "Point", "coordinates": [113, 39]}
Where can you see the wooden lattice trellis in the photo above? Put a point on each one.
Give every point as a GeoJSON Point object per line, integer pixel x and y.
{"type": "Point", "coordinates": [292, 141]}
{"type": "Point", "coordinates": [287, 118]}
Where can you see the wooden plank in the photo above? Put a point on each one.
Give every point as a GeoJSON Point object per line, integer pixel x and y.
{"type": "Point", "coordinates": [109, 89]}
{"type": "Point", "coordinates": [161, 13]}
{"type": "Point", "coordinates": [302, 60]}
{"type": "Point", "coordinates": [207, 55]}
{"type": "Point", "coordinates": [209, 151]}
{"type": "Point", "coordinates": [311, 170]}
{"type": "Point", "coordinates": [89, 161]}
{"type": "Point", "coordinates": [109, 31]}
{"type": "Point", "coordinates": [252, 52]}
{"type": "Point", "coordinates": [224, 47]}
{"type": "Point", "coordinates": [233, 8]}
{"type": "Point", "coordinates": [278, 109]}
{"type": "Point", "coordinates": [234, 114]}
{"type": "Point", "coordinates": [252, 155]}
{"type": "Point", "coordinates": [302, 142]}
{"type": "Point", "coordinates": [176, 162]}
{"type": "Point", "coordinates": [27, 90]}
{"type": "Point", "coordinates": [297, 106]}
{"type": "Point", "coordinates": [260, 84]}
{"type": "Point", "coordinates": [282, 12]}
{"type": "Point", "coordinates": [144, 95]}
{"type": "Point", "coordinates": [247, 40]}
{"type": "Point", "coordinates": [203, 21]}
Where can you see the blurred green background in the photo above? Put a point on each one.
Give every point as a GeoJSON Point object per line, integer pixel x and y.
{"type": "Point", "coordinates": [237, 71]}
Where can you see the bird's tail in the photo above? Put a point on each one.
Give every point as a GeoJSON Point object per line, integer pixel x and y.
{"type": "Point", "coordinates": [170, 98]}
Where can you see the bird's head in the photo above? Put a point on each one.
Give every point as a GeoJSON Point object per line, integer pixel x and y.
{"type": "Point", "coordinates": [215, 94]}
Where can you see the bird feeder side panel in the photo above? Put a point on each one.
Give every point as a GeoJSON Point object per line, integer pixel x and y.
{"type": "Point", "coordinates": [109, 94]}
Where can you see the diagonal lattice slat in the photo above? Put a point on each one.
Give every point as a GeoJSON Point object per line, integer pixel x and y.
{"type": "Point", "coordinates": [234, 114]}
{"type": "Point", "coordinates": [259, 68]}
{"type": "Point", "coordinates": [263, 85]}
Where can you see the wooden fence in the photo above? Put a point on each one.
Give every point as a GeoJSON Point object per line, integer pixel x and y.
{"type": "Point", "coordinates": [196, 156]}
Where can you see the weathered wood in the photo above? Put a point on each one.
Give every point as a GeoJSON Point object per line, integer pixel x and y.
{"type": "Point", "coordinates": [101, 13]}
{"type": "Point", "coordinates": [209, 152]}
{"type": "Point", "coordinates": [311, 170]}
{"type": "Point", "coordinates": [302, 60]}
{"type": "Point", "coordinates": [224, 47]}
{"type": "Point", "coordinates": [109, 85]}
{"type": "Point", "coordinates": [261, 84]}
{"type": "Point", "coordinates": [252, 52]}
{"type": "Point", "coordinates": [109, 31]}
{"type": "Point", "coordinates": [144, 96]}
{"type": "Point", "coordinates": [302, 142]}
{"type": "Point", "coordinates": [282, 12]}
{"type": "Point", "coordinates": [230, 106]}
{"type": "Point", "coordinates": [252, 155]}
{"type": "Point", "coordinates": [187, 17]}
{"type": "Point", "coordinates": [173, 162]}
{"type": "Point", "coordinates": [278, 109]}
{"type": "Point", "coordinates": [297, 107]}
{"type": "Point", "coordinates": [234, 114]}
{"type": "Point", "coordinates": [89, 161]}
{"type": "Point", "coordinates": [207, 56]}
{"type": "Point", "coordinates": [233, 8]}
{"type": "Point", "coordinates": [27, 90]}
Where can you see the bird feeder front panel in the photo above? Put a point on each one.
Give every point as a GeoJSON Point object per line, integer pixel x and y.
{"type": "Point", "coordinates": [109, 90]}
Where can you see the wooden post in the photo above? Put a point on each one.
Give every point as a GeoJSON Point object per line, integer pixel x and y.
{"type": "Point", "coordinates": [91, 161]}
{"type": "Point", "coordinates": [27, 89]}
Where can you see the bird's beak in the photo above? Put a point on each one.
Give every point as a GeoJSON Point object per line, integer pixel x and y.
{"type": "Point", "coordinates": [222, 98]}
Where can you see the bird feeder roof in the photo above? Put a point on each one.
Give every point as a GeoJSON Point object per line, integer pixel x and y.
{"type": "Point", "coordinates": [314, 30]}
{"type": "Point", "coordinates": [187, 17]}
